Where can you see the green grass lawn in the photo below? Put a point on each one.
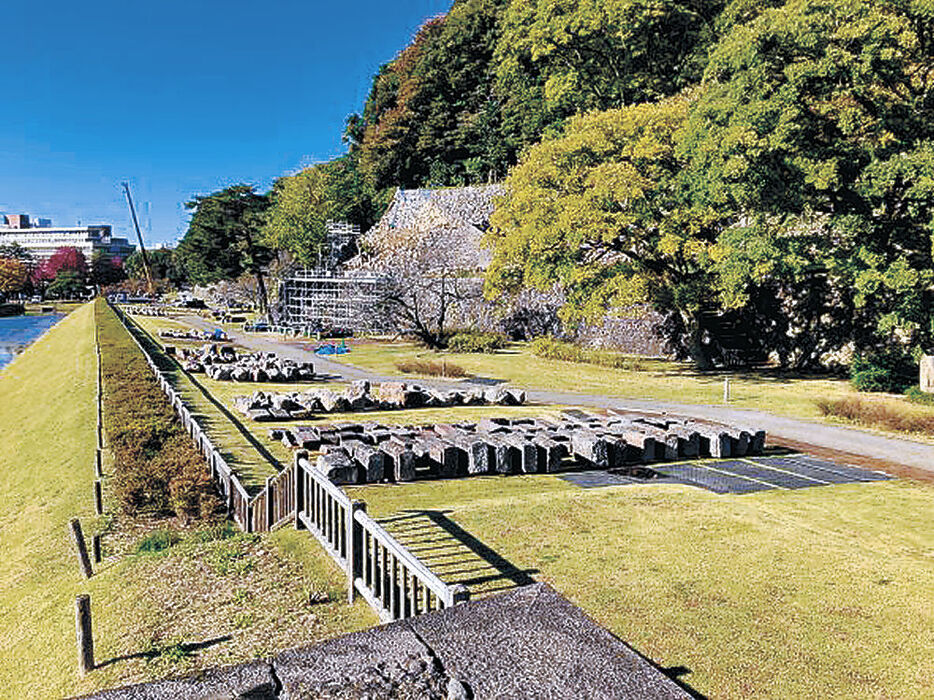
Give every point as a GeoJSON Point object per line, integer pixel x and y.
{"type": "Point", "coordinates": [821, 592]}
{"type": "Point", "coordinates": [667, 381]}
{"type": "Point", "coordinates": [238, 596]}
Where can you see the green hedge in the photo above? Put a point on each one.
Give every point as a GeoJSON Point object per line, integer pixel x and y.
{"type": "Point", "coordinates": [476, 341]}
{"type": "Point", "coordinates": [889, 370]}
{"type": "Point", "coordinates": [552, 349]}
{"type": "Point", "coordinates": [156, 467]}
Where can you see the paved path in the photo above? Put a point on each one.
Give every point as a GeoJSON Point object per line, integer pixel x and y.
{"type": "Point", "coordinates": [908, 453]}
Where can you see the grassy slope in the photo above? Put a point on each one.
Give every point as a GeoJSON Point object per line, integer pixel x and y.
{"type": "Point", "coordinates": [823, 592]}
{"type": "Point", "coordinates": [241, 453]}
{"type": "Point", "coordinates": [47, 424]}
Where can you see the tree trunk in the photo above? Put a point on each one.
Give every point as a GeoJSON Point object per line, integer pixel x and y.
{"type": "Point", "coordinates": [261, 292]}
{"type": "Point", "coordinates": [696, 348]}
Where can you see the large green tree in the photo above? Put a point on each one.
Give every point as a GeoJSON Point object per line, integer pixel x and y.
{"type": "Point", "coordinates": [162, 263]}
{"type": "Point", "coordinates": [556, 58]}
{"type": "Point", "coordinates": [223, 240]}
{"type": "Point", "coordinates": [301, 205]}
{"type": "Point", "coordinates": [432, 117]}
{"type": "Point", "coordinates": [814, 133]}
{"type": "Point", "coordinates": [602, 212]}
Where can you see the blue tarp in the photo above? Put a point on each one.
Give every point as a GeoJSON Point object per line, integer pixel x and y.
{"type": "Point", "coordinates": [332, 349]}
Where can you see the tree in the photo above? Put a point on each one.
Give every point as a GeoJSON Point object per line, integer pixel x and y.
{"type": "Point", "coordinates": [556, 58]}
{"type": "Point", "coordinates": [14, 276]}
{"type": "Point", "coordinates": [814, 133]}
{"type": "Point", "coordinates": [106, 270]}
{"type": "Point", "coordinates": [162, 263]}
{"type": "Point", "coordinates": [223, 238]}
{"type": "Point", "coordinates": [432, 117]}
{"type": "Point", "coordinates": [68, 284]}
{"type": "Point", "coordinates": [65, 258]}
{"type": "Point", "coordinates": [16, 252]}
{"type": "Point", "coordinates": [602, 212]}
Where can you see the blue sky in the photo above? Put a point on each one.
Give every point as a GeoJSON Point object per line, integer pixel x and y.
{"type": "Point", "coordinates": [179, 97]}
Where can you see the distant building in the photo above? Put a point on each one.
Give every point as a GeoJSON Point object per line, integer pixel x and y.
{"type": "Point", "coordinates": [43, 239]}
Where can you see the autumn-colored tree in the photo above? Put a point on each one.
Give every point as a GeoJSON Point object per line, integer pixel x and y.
{"type": "Point", "coordinates": [432, 117]}
{"type": "Point", "coordinates": [14, 276]}
{"type": "Point", "coordinates": [106, 270]}
{"type": "Point", "coordinates": [65, 258]}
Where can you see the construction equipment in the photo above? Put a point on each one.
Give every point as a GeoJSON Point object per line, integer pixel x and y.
{"type": "Point", "coordinates": [139, 237]}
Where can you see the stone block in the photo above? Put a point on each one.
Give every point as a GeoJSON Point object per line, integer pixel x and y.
{"type": "Point", "coordinates": [757, 442]}
{"type": "Point", "coordinates": [688, 442]}
{"type": "Point", "coordinates": [641, 442]}
{"type": "Point", "coordinates": [590, 448]}
{"type": "Point", "coordinates": [739, 443]}
{"type": "Point", "coordinates": [551, 453]}
{"type": "Point", "coordinates": [713, 442]}
{"type": "Point", "coordinates": [493, 425]}
{"type": "Point", "coordinates": [400, 461]}
{"type": "Point", "coordinates": [506, 458]}
{"type": "Point", "coordinates": [528, 453]}
{"type": "Point", "coordinates": [391, 393]}
{"type": "Point", "coordinates": [337, 466]}
{"type": "Point", "coordinates": [372, 462]}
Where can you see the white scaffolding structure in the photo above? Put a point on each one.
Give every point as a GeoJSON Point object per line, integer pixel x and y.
{"type": "Point", "coordinates": [316, 299]}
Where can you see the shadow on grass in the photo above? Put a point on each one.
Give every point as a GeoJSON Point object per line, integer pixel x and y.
{"type": "Point", "coordinates": [456, 556]}
{"type": "Point", "coordinates": [675, 674]}
{"type": "Point", "coordinates": [185, 648]}
{"type": "Point", "coordinates": [459, 557]}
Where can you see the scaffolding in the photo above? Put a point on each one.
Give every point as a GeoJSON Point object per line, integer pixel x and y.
{"type": "Point", "coordinates": [316, 299]}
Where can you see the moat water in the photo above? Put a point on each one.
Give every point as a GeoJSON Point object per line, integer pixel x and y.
{"type": "Point", "coordinates": [18, 332]}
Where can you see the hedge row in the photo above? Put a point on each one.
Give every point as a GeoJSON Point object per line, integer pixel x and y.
{"type": "Point", "coordinates": [552, 349]}
{"type": "Point", "coordinates": [156, 467]}
{"type": "Point", "coordinates": [476, 341]}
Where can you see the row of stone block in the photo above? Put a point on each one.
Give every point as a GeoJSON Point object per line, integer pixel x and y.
{"type": "Point", "coordinates": [368, 453]}
{"type": "Point", "coordinates": [360, 396]}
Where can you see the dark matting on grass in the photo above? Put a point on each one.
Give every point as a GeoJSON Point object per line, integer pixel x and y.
{"type": "Point", "coordinates": [737, 476]}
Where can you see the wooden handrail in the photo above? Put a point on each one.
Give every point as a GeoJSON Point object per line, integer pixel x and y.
{"type": "Point", "coordinates": [411, 562]}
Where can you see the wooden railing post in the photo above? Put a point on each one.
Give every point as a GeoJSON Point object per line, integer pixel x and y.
{"type": "Point", "coordinates": [459, 593]}
{"type": "Point", "coordinates": [81, 547]}
{"type": "Point", "coordinates": [83, 634]}
{"type": "Point", "coordinates": [269, 504]}
{"type": "Point", "coordinates": [299, 488]}
{"type": "Point", "coordinates": [96, 548]}
{"type": "Point", "coordinates": [354, 540]}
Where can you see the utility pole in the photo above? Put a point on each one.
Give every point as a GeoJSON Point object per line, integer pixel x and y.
{"type": "Point", "coordinates": [139, 237]}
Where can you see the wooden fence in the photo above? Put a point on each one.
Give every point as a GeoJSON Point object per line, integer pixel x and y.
{"type": "Point", "coordinates": [383, 571]}
{"type": "Point", "coordinates": [249, 513]}
{"type": "Point", "coordinates": [380, 569]}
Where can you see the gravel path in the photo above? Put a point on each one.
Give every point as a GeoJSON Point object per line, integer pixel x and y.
{"type": "Point", "coordinates": [905, 452]}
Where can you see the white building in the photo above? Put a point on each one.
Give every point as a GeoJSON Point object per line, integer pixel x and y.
{"type": "Point", "coordinates": [43, 241]}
